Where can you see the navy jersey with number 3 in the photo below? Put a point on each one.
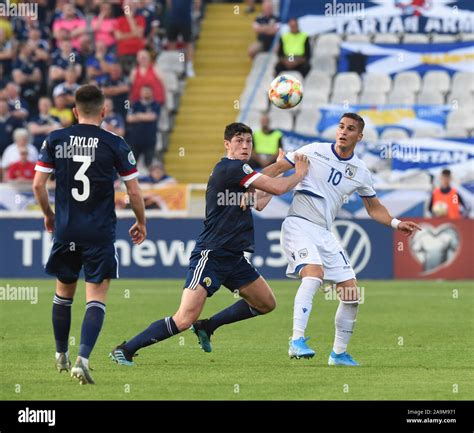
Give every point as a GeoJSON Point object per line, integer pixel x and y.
{"type": "Point", "coordinates": [85, 159]}
{"type": "Point", "coordinates": [226, 226]}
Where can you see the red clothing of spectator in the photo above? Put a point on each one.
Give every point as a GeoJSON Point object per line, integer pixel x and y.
{"type": "Point", "coordinates": [24, 170]}
{"type": "Point", "coordinates": [129, 46]}
{"type": "Point", "coordinates": [149, 78]}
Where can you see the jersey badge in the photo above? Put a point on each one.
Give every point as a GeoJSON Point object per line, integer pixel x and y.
{"type": "Point", "coordinates": [350, 171]}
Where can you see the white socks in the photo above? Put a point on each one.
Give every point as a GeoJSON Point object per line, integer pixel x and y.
{"type": "Point", "coordinates": [345, 321]}
{"type": "Point", "coordinates": [303, 304]}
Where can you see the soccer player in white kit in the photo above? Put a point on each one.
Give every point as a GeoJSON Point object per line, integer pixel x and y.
{"type": "Point", "coordinates": [312, 251]}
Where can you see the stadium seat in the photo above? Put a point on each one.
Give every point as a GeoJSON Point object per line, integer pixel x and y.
{"type": "Point", "coordinates": [164, 124]}
{"type": "Point", "coordinates": [467, 37]}
{"type": "Point", "coordinates": [253, 119]}
{"type": "Point", "coordinates": [436, 81]}
{"type": "Point", "coordinates": [260, 100]}
{"type": "Point", "coordinates": [401, 98]}
{"type": "Point", "coordinates": [373, 98]}
{"type": "Point", "coordinates": [458, 119]}
{"type": "Point", "coordinates": [171, 61]}
{"type": "Point", "coordinates": [408, 80]}
{"type": "Point", "coordinates": [316, 80]}
{"type": "Point", "coordinates": [358, 38]}
{"type": "Point", "coordinates": [330, 133]}
{"type": "Point", "coordinates": [386, 38]}
{"type": "Point", "coordinates": [347, 82]}
{"type": "Point", "coordinates": [415, 38]}
{"type": "Point", "coordinates": [375, 82]}
{"type": "Point", "coordinates": [325, 63]}
{"type": "Point", "coordinates": [315, 97]}
{"type": "Point", "coordinates": [443, 39]}
{"type": "Point", "coordinates": [370, 134]}
{"type": "Point", "coordinates": [327, 44]}
{"type": "Point", "coordinates": [462, 82]}
{"type": "Point", "coordinates": [171, 82]}
{"type": "Point", "coordinates": [307, 121]}
{"type": "Point", "coordinates": [344, 98]}
{"type": "Point", "coordinates": [457, 100]}
{"type": "Point", "coordinates": [434, 97]}
{"type": "Point", "coordinates": [171, 102]}
{"type": "Point", "coordinates": [457, 133]}
{"type": "Point", "coordinates": [281, 119]}
{"type": "Point", "coordinates": [426, 132]}
{"type": "Point", "coordinates": [394, 134]}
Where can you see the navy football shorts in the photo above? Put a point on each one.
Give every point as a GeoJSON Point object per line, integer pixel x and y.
{"type": "Point", "coordinates": [100, 262]}
{"type": "Point", "coordinates": [211, 269]}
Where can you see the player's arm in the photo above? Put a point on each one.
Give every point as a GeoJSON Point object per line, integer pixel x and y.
{"type": "Point", "coordinates": [283, 184]}
{"type": "Point", "coordinates": [281, 165]}
{"type": "Point", "coordinates": [138, 230]}
{"type": "Point", "coordinates": [42, 197]}
{"type": "Point", "coordinates": [378, 212]}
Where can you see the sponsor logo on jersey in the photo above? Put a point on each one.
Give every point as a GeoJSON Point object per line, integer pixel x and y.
{"type": "Point", "coordinates": [350, 170]}
{"type": "Point", "coordinates": [207, 281]}
{"type": "Point", "coordinates": [303, 253]}
{"type": "Point", "coordinates": [131, 158]}
{"type": "Point", "coordinates": [247, 169]}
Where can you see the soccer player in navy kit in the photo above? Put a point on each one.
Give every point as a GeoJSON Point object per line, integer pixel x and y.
{"type": "Point", "coordinates": [85, 159]}
{"type": "Point", "coordinates": [218, 258]}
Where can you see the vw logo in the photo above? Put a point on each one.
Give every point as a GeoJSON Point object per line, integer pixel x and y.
{"type": "Point", "coordinates": [355, 241]}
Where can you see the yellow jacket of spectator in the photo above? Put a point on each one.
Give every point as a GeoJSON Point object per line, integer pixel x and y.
{"type": "Point", "coordinates": [293, 43]}
{"type": "Point", "coordinates": [267, 144]}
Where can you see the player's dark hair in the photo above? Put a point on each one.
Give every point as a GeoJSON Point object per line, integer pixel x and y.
{"type": "Point", "coordinates": [234, 129]}
{"type": "Point", "coordinates": [355, 117]}
{"type": "Point", "coordinates": [89, 100]}
{"type": "Point", "coordinates": [446, 172]}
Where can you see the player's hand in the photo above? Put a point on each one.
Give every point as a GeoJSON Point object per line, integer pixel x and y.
{"type": "Point", "coordinates": [247, 199]}
{"type": "Point", "coordinates": [281, 154]}
{"type": "Point", "coordinates": [49, 222]}
{"type": "Point", "coordinates": [301, 165]}
{"type": "Point", "coordinates": [408, 227]}
{"type": "Point", "coordinates": [138, 233]}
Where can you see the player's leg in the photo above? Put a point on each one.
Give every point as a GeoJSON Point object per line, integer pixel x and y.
{"type": "Point", "coordinates": [61, 318]}
{"type": "Point", "coordinates": [65, 264]}
{"type": "Point", "coordinates": [304, 262]}
{"type": "Point", "coordinates": [192, 303]}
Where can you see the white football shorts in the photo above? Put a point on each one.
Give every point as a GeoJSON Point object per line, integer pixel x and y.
{"type": "Point", "coordinates": [307, 243]}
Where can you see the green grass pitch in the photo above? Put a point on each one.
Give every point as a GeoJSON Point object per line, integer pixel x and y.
{"type": "Point", "coordinates": [413, 339]}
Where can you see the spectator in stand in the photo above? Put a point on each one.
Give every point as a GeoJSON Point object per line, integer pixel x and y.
{"type": "Point", "coordinates": [98, 64]}
{"type": "Point", "coordinates": [266, 27]}
{"type": "Point", "coordinates": [62, 60]}
{"type": "Point", "coordinates": [445, 200]}
{"type": "Point", "coordinates": [180, 15]}
{"type": "Point", "coordinates": [117, 87]}
{"type": "Point", "coordinates": [44, 123]}
{"type": "Point", "coordinates": [71, 21]}
{"type": "Point", "coordinates": [103, 26]}
{"type": "Point", "coordinates": [61, 111]}
{"type": "Point", "coordinates": [22, 170]}
{"type": "Point", "coordinates": [12, 152]}
{"type": "Point", "coordinates": [157, 176]}
{"type": "Point", "coordinates": [27, 73]}
{"type": "Point", "coordinates": [294, 50]}
{"type": "Point", "coordinates": [130, 35]}
{"type": "Point", "coordinates": [18, 106]}
{"type": "Point", "coordinates": [7, 53]}
{"type": "Point", "coordinates": [113, 122]}
{"type": "Point", "coordinates": [41, 51]}
{"type": "Point", "coordinates": [266, 144]}
{"type": "Point", "coordinates": [68, 87]}
{"type": "Point", "coordinates": [8, 124]}
{"type": "Point", "coordinates": [146, 74]}
{"type": "Point", "coordinates": [142, 128]}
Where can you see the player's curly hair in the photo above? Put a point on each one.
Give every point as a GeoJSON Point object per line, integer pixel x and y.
{"type": "Point", "coordinates": [236, 128]}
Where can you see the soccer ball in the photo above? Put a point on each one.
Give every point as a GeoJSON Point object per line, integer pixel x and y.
{"type": "Point", "coordinates": [440, 209]}
{"type": "Point", "coordinates": [285, 91]}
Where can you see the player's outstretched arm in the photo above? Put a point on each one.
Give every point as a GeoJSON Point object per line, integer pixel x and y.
{"type": "Point", "coordinates": [42, 197]}
{"type": "Point", "coordinates": [138, 230]}
{"type": "Point", "coordinates": [283, 184]}
{"type": "Point", "coordinates": [379, 213]}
